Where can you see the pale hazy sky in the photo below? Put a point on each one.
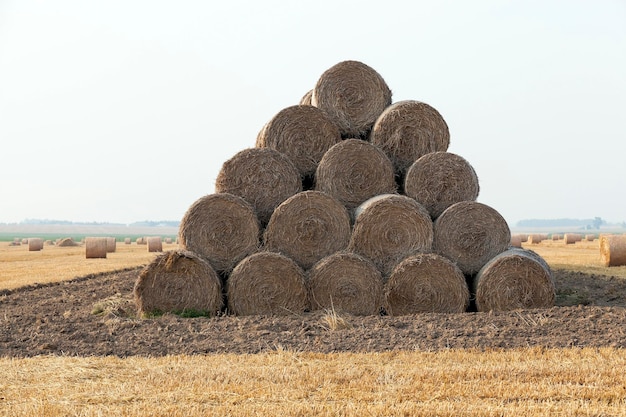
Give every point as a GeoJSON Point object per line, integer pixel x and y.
{"type": "Point", "coordinates": [121, 111]}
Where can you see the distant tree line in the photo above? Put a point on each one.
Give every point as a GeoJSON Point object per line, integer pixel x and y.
{"type": "Point", "coordinates": [594, 223]}
{"type": "Point", "coordinates": [144, 223]}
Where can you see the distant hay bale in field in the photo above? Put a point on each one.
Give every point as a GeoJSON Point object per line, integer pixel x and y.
{"type": "Point", "coordinates": [35, 244]}
{"type": "Point", "coordinates": [95, 247]}
{"type": "Point", "coordinates": [307, 227]}
{"type": "Point", "coordinates": [306, 98]}
{"type": "Point", "coordinates": [155, 244]}
{"type": "Point", "coordinates": [16, 240]}
{"type": "Point", "coordinates": [303, 133]}
{"type": "Point", "coordinates": [178, 281]}
{"type": "Point", "coordinates": [48, 242]}
{"type": "Point", "coordinates": [590, 238]}
{"type": "Point", "coordinates": [535, 238]}
{"type": "Point", "coordinates": [514, 279]}
{"type": "Point", "coordinates": [470, 233]}
{"type": "Point", "coordinates": [571, 238]}
{"type": "Point", "coordinates": [111, 244]}
{"type": "Point", "coordinates": [267, 283]}
{"type": "Point", "coordinates": [390, 227]}
{"type": "Point", "coordinates": [141, 241]}
{"type": "Point", "coordinates": [67, 242]}
{"type": "Point", "coordinates": [168, 240]}
{"type": "Point", "coordinates": [516, 241]}
{"type": "Point", "coordinates": [439, 179]}
{"type": "Point", "coordinates": [353, 171]}
{"type": "Point", "coordinates": [524, 237]}
{"type": "Point", "coordinates": [263, 177]}
{"type": "Point", "coordinates": [424, 283]}
{"type": "Point", "coordinates": [127, 241]}
{"type": "Point", "coordinates": [408, 130]}
{"type": "Point", "coordinates": [613, 250]}
{"type": "Point", "coordinates": [346, 282]}
{"type": "Point", "coordinates": [222, 228]}
{"type": "Point", "coordinates": [556, 236]}
{"type": "Point", "coordinates": [353, 95]}
{"type": "Point", "coordinates": [24, 241]}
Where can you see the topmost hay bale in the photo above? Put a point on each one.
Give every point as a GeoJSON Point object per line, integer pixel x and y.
{"type": "Point", "coordinates": [613, 250]}
{"type": "Point", "coordinates": [178, 281]}
{"type": "Point", "coordinates": [470, 233]}
{"type": "Point", "coordinates": [222, 228]}
{"type": "Point", "coordinates": [307, 227]}
{"type": "Point", "coordinates": [353, 171]}
{"type": "Point", "coordinates": [408, 130]}
{"type": "Point", "coordinates": [303, 133]}
{"type": "Point", "coordinates": [353, 95]}
{"type": "Point", "coordinates": [439, 179]}
{"type": "Point", "coordinates": [67, 241]}
{"type": "Point", "coordinates": [263, 177]}
{"type": "Point", "coordinates": [516, 278]}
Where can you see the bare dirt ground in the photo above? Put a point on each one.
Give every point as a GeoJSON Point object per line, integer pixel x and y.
{"type": "Point", "coordinates": [94, 315]}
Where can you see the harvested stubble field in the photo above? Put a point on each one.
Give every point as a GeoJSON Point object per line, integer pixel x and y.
{"type": "Point", "coordinates": [71, 344]}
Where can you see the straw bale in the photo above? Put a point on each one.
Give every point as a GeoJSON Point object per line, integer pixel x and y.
{"type": "Point", "coordinates": [353, 95]}
{"type": "Point", "coordinates": [439, 179]}
{"type": "Point", "coordinates": [127, 241]}
{"type": "Point", "coordinates": [141, 241]}
{"type": "Point", "coordinates": [307, 227]}
{"type": "Point", "coordinates": [470, 233]}
{"type": "Point", "coordinates": [66, 242]}
{"type": "Point", "coordinates": [48, 242]}
{"type": "Point", "coordinates": [155, 244]}
{"type": "Point", "coordinates": [613, 250]}
{"type": "Point", "coordinates": [516, 241]}
{"type": "Point", "coordinates": [306, 98]}
{"type": "Point", "coordinates": [178, 281]}
{"type": "Point", "coordinates": [95, 247]}
{"type": "Point", "coordinates": [353, 171]}
{"type": "Point", "coordinates": [535, 238]}
{"type": "Point", "coordinates": [571, 238]}
{"type": "Point", "coordinates": [35, 244]}
{"type": "Point", "coordinates": [168, 240]}
{"type": "Point", "coordinates": [267, 283]}
{"type": "Point", "coordinates": [303, 133]}
{"type": "Point", "coordinates": [346, 282]}
{"type": "Point", "coordinates": [263, 177]}
{"type": "Point", "coordinates": [24, 241]}
{"type": "Point", "coordinates": [426, 282]}
{"type": "Point", "coordinates": [111, 244]}
{"type": "Point", "coordinates": [390, 227]}
{"type": "Point", "coordinates": [516, 278]}
{"type": "Point", "coordinates": [590, 238]}
{"type": "Point", "coordinates": [408, 130]}
{"type": "Point", "coordinates": [222, 228]}
{"type": "Point", "coordinates": [556, 236]}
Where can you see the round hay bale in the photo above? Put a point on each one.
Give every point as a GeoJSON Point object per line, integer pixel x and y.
{"type": "Point", "coordinates": [263, 177]}
{"type": "Point", "coordinates": [66, 242]}
{"type": "Point", "coordinates": [141, 241]}
{"type": "Point", "coordinates": [470, 233]}
{"type": "Point", "coordinates": [95, 247]}
{"type": "Point", "coordinates": [178, 281]}
{"type": "Point", "coordinates": [516, 241]}
{"type": "Point", "coordinates": [35, 244]}
{"type": "Point", "coordinates": [439, 179]}
{"type": "Point", "coordinates": [24, 241]}
{"type": "Point", "coordinates": [613, 250]}
{"type": "Point", "coordinates": [168, 240]}
{"type": "Point", "coordinates": [390, 227]}
{"type": "Point", "coordinates": [127, 241]}
{"type": "Point", "coordinates": [306, 98]}
{"type": "Point", "coordinates": [48, 242]}
{"type": "Point", "coordinates": [408, 130]}
{"type": "Point", "coordinates": [571, 238]}
{"type": "Point", "coordinates": [346, 282]}
{"type": "Point", "coordinates": [590, 238]}
{"type": "Point", "coordinates": [426, 283]}
{"type": "Point", "coordinates": [111, 244]}
{"type": "Point", "coordinates": [535, 238]}
{"type": "Point", "coordinates": [353, 95]}
{"type": "Point", "coordinates": [556, 236]}
{"type": "Point", "coordinates": [353, 171]}
{"type": "Point", "coordinates": [221, 228]}
{"type": "Point", "coordinates": [155, 244]}
{"type": "Point", "coordinates": [267, 283]}
{"type": "Point", "coordinates": [307, 227]}
{"type": "Point", "coordinates": [514, 279]}
{"type": "Point", "coordinates": [303, 133]}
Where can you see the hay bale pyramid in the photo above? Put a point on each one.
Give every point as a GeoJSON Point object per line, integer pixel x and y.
{"type": "Point", "coordinates": [349, 202]}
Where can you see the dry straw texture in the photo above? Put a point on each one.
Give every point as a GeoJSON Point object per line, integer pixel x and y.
{"type": "Point", "coordinates": [307, 227]}
{"type": "Point", "coordinates": [306, 98]}
{"type": "Point", "coordinates": [426, 282]}
{"type": "Point", "coordinates": [178, 281]}
{"type": "Point", "coordinates": [613, 250]}
{"type": "Point", "coordinates": [111, 244]}
{"type": "Point", "coordinates": [571, 238]}
{"type": "Point", "coordinates": [514, 279]}
{"type": "Point", "coordinates": [303, 133]}
{"type": "Point", "coordinates": [390, 227]}
{"type": "Point", "coordinates": [346, 282]}
{"type": "Point", "coordinates": [471, 233]}
{"type": "Point", "coordinates": [222, 228]}
{"type": "Point", "coordinates": [353, 171]}
{"type": "Point", "coordinates": [35, 244]}
{"type": "Point", "coordinates": [95, 247]}
{"type": "Point", "coordinates": [155, 244]}
{"type": "Point", "coordinates": [408, 130]}
{"type": "Point", "coordinates": [353, 95]}
{"type": "Point", "coordinates": [67, 242]}
{"type": "Point", "coordinates": [267, 283]}
{"type": "Point", "coordinates": [263, 177]}
{"type": "Point", "coordinates": [439, 179]}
